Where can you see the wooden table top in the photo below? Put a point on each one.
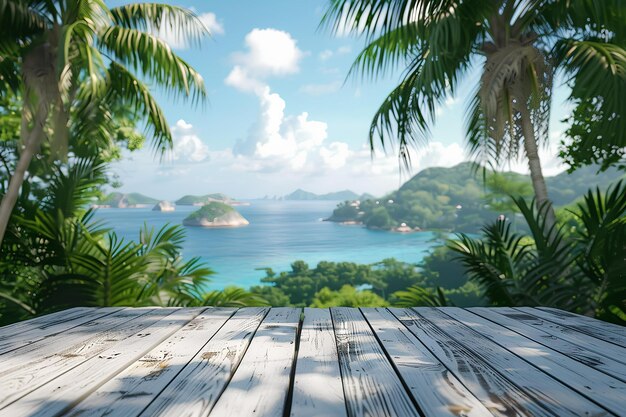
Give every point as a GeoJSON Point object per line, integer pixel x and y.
{"type": "Point", "coordinates": [312, 362]}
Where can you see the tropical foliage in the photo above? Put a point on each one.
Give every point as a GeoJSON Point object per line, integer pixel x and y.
{"type": "Point", "coordinates": [517, 47]}
{"type": "Point", "coordinates": [76, 65]}
{"type": "Point", "coordinates": [584, 271]}
{"type": "Point", "coordinates": [390, 282]}
{"type": "Point", "coordinates": [459, 199]}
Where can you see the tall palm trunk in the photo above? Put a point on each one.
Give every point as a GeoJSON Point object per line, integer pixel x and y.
{"type": "Point", "coordinates": [534, 166]}
{"type": "Point", "coordinates": [31, 140]}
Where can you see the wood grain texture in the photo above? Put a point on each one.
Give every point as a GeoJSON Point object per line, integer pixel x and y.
{"type": "Point", "coordinates": [66, 390]}
{"type": "Point", "coordinates": [21, 374]}
{"type": "Point", "coordinates": [371, 385]}
{"type": "Point", "coordinates": [588, 321]}
{"type": "Point", "coordinates": [607, 392]}
{"type": "Point", "coordinates": [208, 362]}
{"type": "Point", "coordinates": [49, 326]}
{"type": "Point", "coordinates": [194, 391]}
{"type": "Point", "coordinates": [132, 390]}
{"type": "Point", "coordinates": [436, 390]}
{"type": "Point", "coordinates": [586, 357]}
{"type": "Point", "coordinates": [556, 397]}
{"type": "Point", "coordinates": [599, 346]}
{"type": "Point", "coordinates": [317, 388]}
{"type": "Point", "coordinates": [500, 395]}
{"type": "Point", "coordinates": [20, 326]}
{"type": "Point", "coordinates": [595, 328]}
{"type": "Point", "coordinates": [261, 382]}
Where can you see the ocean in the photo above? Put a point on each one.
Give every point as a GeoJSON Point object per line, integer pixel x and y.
{"type": "Point", "coordinates": [279, 233]}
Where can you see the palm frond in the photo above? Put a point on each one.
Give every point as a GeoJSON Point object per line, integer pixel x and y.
{"type": "Point", "coordinates": [154, 59]}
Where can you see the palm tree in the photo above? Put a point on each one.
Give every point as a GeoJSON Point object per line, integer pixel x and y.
{"type": "Point", "coordinates": [517, 45]}
{"type": "Point", "coordinates": [67, 56]}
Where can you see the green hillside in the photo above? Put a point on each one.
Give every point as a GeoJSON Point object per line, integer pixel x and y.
{"type": "Point", "coordinates": [189, 200]}
{"type": "Point", "coordinates": [131, 199]}
{"type": "Point", "coordinates": [210, 211]}
{"type": "Point", "coordinates": [458, 199]}
{"type": "Point", "coordinates": [302, 195]}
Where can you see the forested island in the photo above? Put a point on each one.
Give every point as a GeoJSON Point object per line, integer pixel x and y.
{"type": "Point", "coordinates": [215, 214]}
{"type": "Point", "coordinates": [462, 198]}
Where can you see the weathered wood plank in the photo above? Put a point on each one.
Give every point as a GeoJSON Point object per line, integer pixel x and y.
{"type": "Point", "coordinates": [436, 390]}
{"type": "Point", "coordinates": [51, 326]}
{"type": "Point", "coordinates": [599, 346]}
{"type": "Point", "coordinates": [133, 389]}
{"type": "Point", "coordinates": [607, 365]}
{"type": "Point", "coordinates": [500, 395]}
{"type": "Point", "coordinates": [559, 399]}
{"type": "Point", "coordinates": [592, 327]}
{"type": "Point", "coordinates": [20, 326]}
{"type": "Point", "coordinates": [589, 321]}
{"type": "Point", "coordinates": [65, 391]}
{"type": "Point", "coordinates": [261, 382]}
{"type": "Point", "coordinates": [21, 374]}
{"type": "Point", "coordinates": [371, 385]}
{"type": "Point", "coordinates": [317, 388]}
{"type": "Point", "coordinates": [48, 346]}
{"type": "Point", "coordinates": [195, 390]}
{"type": "Point", "coordinates": [605, 391]}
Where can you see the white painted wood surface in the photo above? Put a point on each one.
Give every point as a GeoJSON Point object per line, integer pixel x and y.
{"type": "Point", "coordinates": [437, 391]}
{"type": "Point", "coordinates": [578, 323]}
{"type": "Point", "coordinates": [132, 390]}
{"type": "Point", "coordinates": [598, 387]}
{"type": "Point", "coordinates": [599, 346]}
{"type": "Point", "coordinates": [33, 332]}
{"type": "Point", "coordinates": [214, 362]}
{"type": "Point", "coordinates": [317, 388]}
{"type": "Point", "coordinates": [589, 321]}
{"type": "Point", "coordinates": [73, 386]}
{"type": "Point", "coordinates": [588, 358]}
{"type": "Point", "coordinates": [500, 395]}
{"type": "Point", "coordinates": [371, 385]}
{"type": "Point", "coordinates": [555, 396]}
{"type": "Point", "coordinates": [261, 382]}
{"type": "Point", "coordinates": [195, 390]}
{"type": "Point", "coordinates": [21, 377]}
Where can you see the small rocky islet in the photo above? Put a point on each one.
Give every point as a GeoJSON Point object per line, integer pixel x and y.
{"type": "Point", "coordinates": [215, 214]}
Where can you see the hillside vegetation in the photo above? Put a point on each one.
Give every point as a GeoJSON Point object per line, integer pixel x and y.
{"type": "Point", "coordinates": [189, 200]}
{"type": "Point", "coordinates": [131, 199]}
{"type": "Point", "coordinates": [459, 199]}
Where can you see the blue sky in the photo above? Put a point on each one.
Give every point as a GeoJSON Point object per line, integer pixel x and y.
{"type": "Point", "coordinates": [279, 114]}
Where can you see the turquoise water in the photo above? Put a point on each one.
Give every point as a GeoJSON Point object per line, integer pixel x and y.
{"type": "Point", "coordinates": [279, 233]}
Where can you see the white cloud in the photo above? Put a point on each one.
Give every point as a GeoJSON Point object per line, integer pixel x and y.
{"type": "Point", "coordinates": [271, 52]}
{"type": "Point", "coordinates": [174, 36]}
{"type": "Point", "coordinates": [326, 54]}
{"type": "Point", "coordinates": [321, 89]}
{"type": "Point", "coordinates": [336, 154]}
{"type": "Point", "coordinates": [211, 23]}
{"type": "Point", "coordinates": [278, 142]}
{"type": "Point", "coordinates": [241, 80]}
{"type": "Point", "coordinates": [188, 147]}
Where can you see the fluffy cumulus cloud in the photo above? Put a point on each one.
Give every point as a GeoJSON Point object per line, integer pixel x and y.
{"type": "Point", "coordinates": [173, 35]}
{"type": "Point", "coordinates": [269, 52]}
{"type": "Point", "coordinates": [188, 147]}
{"type": "Point", "coordinates": [277, 141]}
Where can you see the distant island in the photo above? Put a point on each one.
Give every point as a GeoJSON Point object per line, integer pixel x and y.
{"type": "Point", "coordinates": [130, 200]}
{"type": "Point", "coordinates": [200, 200]}
{"type": "Point", "coordinates": [215, 214]}
{"type": "Point", "coordinates": [457, 199]}
{"type": "Point", "coordinates": [302, 195]}
{"type": "Point", "coordinates": [137, 200]}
